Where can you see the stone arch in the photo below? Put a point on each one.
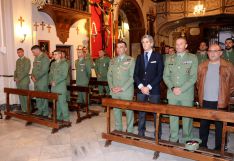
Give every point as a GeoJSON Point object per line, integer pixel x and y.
{"type": "Point", "coordinates": [135, 18]}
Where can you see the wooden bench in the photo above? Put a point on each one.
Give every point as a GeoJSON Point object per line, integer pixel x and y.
{"type": "Point", "coordinates": [79, 106]}
{"type": "Point", "coordinates": [94, 93]}
{"type": "Point", "coordinates": [28, 116]}
{"type": "Point", "coordinates": [162, 145]}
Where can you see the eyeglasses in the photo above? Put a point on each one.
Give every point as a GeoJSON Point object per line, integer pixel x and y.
{"type": "Point", "coordinates": [213, 51]}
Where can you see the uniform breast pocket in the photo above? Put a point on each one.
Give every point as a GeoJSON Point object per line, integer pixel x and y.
{"type": "Point", "coordinates": [171, 67]}
{"type": "Point", "coordinates": [187, 68]}
{"type": "Point", "coordinates": [124, 68]}
{"type": "Point", "coordinates": [36, 65]}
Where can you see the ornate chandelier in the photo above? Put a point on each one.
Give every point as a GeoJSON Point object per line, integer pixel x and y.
{"type": "Point", "coordinates": [40, 3]}
{"type": "Point", "coordinates": [199, 9]}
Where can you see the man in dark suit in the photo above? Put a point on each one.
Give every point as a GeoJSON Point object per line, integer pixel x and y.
{"type": "Point", "coordinates": [147, 76]}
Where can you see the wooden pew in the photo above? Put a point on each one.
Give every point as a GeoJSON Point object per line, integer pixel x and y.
{"type": "Point", "coordinates": [94, 93]}
{"type": "Point", "coordinates": [231, 103]}
{"type": "Point", "coordinates": [162, 145]}
{"type": "Point", "coordinates": [28, 116]}
{"type": "Point", "coordinates": [78, 106]}
{"type": "Point", "coordinates": [163, 98]}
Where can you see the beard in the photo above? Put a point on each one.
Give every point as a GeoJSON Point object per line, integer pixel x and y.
{"type": "Point", "coordinates": [228, 47]}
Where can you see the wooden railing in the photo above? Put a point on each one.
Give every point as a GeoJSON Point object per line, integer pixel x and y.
{"type": "Point", "coordinates": [28, 116]}
{"type": "Point", "coordinates": [162, 145]}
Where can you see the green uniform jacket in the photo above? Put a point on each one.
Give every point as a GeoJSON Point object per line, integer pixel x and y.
{"type": "Point", "coordinates": [229, 56]}
{"type": "Point", "coordinates": [120, 74]}
{"type": "Point", "coordinates": [69, 71]}
{"type": "Point", "coordinates": [181, 72]}
{"type": "Point", "coordinates": [40, 71]}
{"type": "Point", "coordinates": [58, 73]}
{"type": "Point", "coordinates": [101, 68]}
{"type": "Point", "coordinates": [22, 70]}
{"type": "Point", "coordinates": [83, 72]}
{"type": "Point", "coordinates": [201, 57]}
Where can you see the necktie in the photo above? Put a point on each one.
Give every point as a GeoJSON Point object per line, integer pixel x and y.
{"type": "Point", "coordinates": [146, 59]}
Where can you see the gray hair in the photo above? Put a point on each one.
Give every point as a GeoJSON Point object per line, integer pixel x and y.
{"type": "Point", "coordinates": [149, 37]}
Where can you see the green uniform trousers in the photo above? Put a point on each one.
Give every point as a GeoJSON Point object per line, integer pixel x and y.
{"type": "Point", "coordinates": [101, 88]}
{"type": "Point", "coordinates": [82, 98]}
{"type": "Point", "coordinates": [174, 122]}
{"type": "Point", "coordinates": [23, 99]}
{"type": "Point", "coordinates": [62, 108]}
{"type": "Point", "coordinates": [118, 115]}
{"type": "Point", "coordinates": [42, 104]}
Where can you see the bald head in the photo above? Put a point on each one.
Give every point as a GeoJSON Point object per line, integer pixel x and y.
{"type": "Point", "coordinates": [214, 53]}
{"type": "Point", "coordinates": [215, 46]}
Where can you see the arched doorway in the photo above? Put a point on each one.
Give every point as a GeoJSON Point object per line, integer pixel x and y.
{"type": "Point", "coordinates": [211, 29]}
{"type": "Point", "coordinates": [130, 10]}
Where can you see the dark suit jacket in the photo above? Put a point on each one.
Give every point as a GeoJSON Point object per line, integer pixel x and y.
{"type": "Point", "coordinates": [152, 75]}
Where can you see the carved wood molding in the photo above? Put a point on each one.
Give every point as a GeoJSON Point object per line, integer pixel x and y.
{"type": "Point", "coordinates": [64, 18]}
{"type": "Point", "coordinates": [169, 11]}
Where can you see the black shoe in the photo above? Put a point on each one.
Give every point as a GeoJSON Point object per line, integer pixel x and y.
{"type": "Point", "coordinates": [203, 146]}
{"type": "Point", "coordinates": [141, 134]}
{"type": "Point", "coordinates": [217, 148]}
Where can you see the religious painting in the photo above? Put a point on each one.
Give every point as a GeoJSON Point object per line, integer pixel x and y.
{"type": "Point", "coordinates": [44, 45]}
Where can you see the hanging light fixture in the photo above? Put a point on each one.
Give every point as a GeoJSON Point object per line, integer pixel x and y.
{"type": "Point", "coordinates": [199, 9]}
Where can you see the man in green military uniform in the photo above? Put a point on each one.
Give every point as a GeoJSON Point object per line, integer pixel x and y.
{"type": "Point", "coordinates": [40, 78]}
{"type": "Point", "coordinates": [120, 80]}
{"type": "Point", "coordinates": [202, 52]}
{"type": "Point", "coordinates": [57, 79]}
{"type": "Point", "coordinates": [228, 53]}
{"type": "Point", "coordinates": [87, 56]}
{"type": "Point", "coordinates": [21, 76]}
{"type": "Point", "coordinates": [101, 68]}
{"type": "Point", "coordinates": [69, 72]}
{"type": "Point", "coordinates": [83, 74]}
{"type": "Point", "coordinates": [180, 74]}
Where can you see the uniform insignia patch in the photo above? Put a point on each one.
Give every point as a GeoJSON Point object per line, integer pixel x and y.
{"type": "Point", "coordinates": [187, 62]}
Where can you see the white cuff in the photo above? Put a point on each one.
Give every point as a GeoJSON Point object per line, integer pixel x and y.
{"type": "Point", "coordinates": [140, 86]}
{"type": "Point", "coordinates": [149, 86]}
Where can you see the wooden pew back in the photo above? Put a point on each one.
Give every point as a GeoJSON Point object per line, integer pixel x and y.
{"type": "Point", "coordinates": [28, 116]}
{"type": "Point", "coordinates": [217, 115]}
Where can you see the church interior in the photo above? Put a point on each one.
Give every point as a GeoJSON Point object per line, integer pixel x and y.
{"type": "Point", "coordinates": [83, 30]}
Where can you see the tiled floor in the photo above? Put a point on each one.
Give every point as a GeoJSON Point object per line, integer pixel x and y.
{"type": "Point", "coordinates": [81, 142]}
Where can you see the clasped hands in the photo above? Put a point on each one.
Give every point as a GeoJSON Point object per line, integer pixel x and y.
{"type": "Point", "coordinates": [53, 83]}
{"type": "Point", "coordinates": [116, 89]}
{"type": "Point", "coordinates": [145, 90]}
{"type": "Point", "coordinates": [33, 78]}
{"type": "Point", "coordinates": [176, 91]}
